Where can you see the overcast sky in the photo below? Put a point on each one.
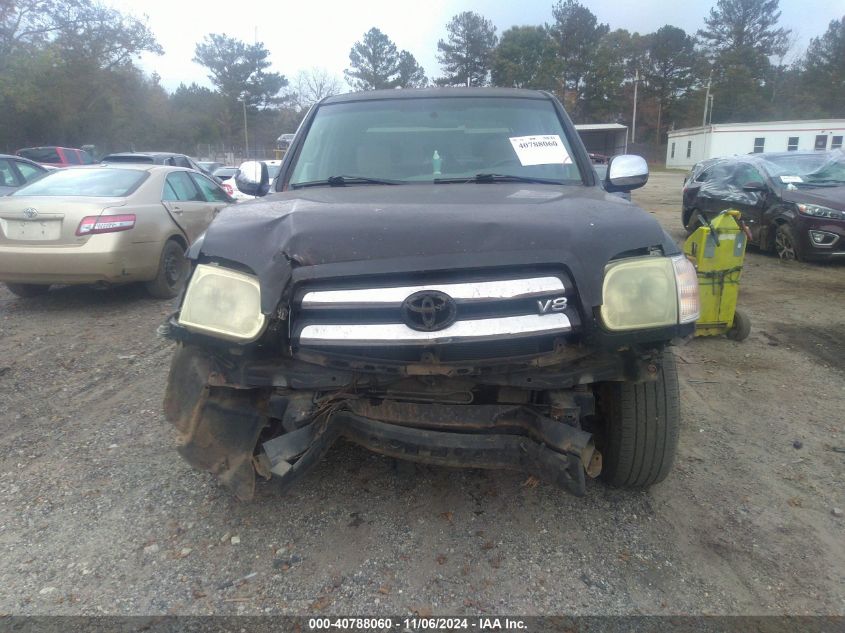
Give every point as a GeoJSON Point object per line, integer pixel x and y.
{"type": "Point", "coordinates": [301, 34]}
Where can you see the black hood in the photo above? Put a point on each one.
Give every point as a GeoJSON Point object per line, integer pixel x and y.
{"type": "Point", "coordinates": [381, 228]}
{"type": "Point", "coordinates": [831, 197]}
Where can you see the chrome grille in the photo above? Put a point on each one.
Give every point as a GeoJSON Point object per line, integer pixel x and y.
{"type": "Point", "coordinates": [367, 319]}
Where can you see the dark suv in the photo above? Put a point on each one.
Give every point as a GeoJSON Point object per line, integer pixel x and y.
{"type": "Point", "coordinates": [436, 275]}
{"type": "Point", "coordinates": [155, 158]}
{"type": "Point", "coordinates": [793, 202]}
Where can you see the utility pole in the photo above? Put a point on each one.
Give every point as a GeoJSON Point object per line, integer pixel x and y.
{"type": "Point", "coordinates": [707, 100]}
{"type": "Point", "coordinates": [634, 117]}
{"type": "Point", "coordinates": [246, 138]}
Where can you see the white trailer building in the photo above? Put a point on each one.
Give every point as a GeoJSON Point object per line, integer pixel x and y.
{"type": "Point", "coordinates": [690, 145]}
{"type": "Point", "coordinates": [607, 139]}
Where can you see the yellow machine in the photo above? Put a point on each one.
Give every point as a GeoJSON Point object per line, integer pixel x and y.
{"type": "Point", "coordinates": [717, 248]}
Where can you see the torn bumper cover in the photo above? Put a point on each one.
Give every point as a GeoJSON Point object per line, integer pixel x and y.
{"type": "Point", "coordinates": [562, 459]}
{"type": "Point", "coordinates": [220, 431]}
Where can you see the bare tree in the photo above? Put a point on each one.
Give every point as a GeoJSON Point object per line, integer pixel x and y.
{"type": "Point", "coordinates": [313, 84]}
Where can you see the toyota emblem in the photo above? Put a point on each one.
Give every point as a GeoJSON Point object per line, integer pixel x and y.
{"type": "Point", "coordinates": [30, 213]}
{"type": "Point", "coordinates": [429, 310]}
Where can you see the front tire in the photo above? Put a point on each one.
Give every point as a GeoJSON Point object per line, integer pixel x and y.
{"type": "Point", "coordinates": [786, 246]}
{"type": "Point", "coordinates": [26, 291]}
{"type": "Point", "coordinates": [641, 423]}
{"type": "Point", "coordinates": [172, 272]}
{"type": "Point", "coordinates": [691, 221]}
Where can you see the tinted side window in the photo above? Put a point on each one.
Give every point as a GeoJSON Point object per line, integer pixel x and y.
{"type": "Point", "coordinates": [745, 174]}
{"type": "Point", "coordinates": [181, 161]}
{"type": "Point", "coordinates": [180, 187]}
{"type": "Point", "coordinates": [719, 172]}
{"type": "Point", "coordinates": [28, 171]}
{"type": "Point", "coordinates": [8, 178]}
{"type": "Point", "coordinates": [41, 154]}
{"type": "Point", "coordinates": [211, 191]}
{"type": "Point", "coordinates": [72, 157]}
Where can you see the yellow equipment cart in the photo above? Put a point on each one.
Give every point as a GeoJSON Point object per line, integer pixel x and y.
{"type": "Point", "coordinates": [717, 248]}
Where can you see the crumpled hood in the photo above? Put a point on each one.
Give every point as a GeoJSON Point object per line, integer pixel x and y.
{"type": "Point", "coordinates": [379, 229]}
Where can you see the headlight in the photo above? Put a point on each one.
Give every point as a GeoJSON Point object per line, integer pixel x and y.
{"type": "Point", "coordinates": [223, 303]}
{"type": "Point", "coordinates": [820, 212]}
{"type": "Point", "coordinates": [648, 292]}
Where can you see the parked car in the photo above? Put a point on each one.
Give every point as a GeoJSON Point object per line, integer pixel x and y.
{"type": "Point", "coordinates": [105, 224]}
{"type": "Point", "coordinates": [224, 173]}
{"type": "Point", "coordinates": [16, 172]}
{"type": "Point", "coordinates": [438, 276]}
{"type": "Point", "coordinates": [227, 175]}
{"type": "Point", "coordinates": [273, 168]}
{"type": "Point", "coordinates": [209, 167]}
{"type": "Point", "coordinates": [793, 202]}
{"type": "Point", "coordinates": [53, 156]}
{"type": "Point", "coordinates": [285, 140]}
{"type": "Point", "coordinates": [154, 158]}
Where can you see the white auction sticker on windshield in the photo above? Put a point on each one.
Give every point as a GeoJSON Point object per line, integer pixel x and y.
{"type": "Point", "coordinates": [789, 179]}
{"type": "Point", "coordinates": [547, 149]}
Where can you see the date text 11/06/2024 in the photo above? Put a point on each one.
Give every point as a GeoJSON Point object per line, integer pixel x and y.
{"type": "Point", "coordinates": [417, 624]}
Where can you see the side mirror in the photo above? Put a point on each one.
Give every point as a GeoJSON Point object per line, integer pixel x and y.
{"type": "Point", "coordinates": [626, 172]}
{"type": "Point", "coordinates": [253, 179]}
{"type": "Point", "coordinates": [754, 185]}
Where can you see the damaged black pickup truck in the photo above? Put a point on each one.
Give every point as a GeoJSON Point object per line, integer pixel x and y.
{"type": "Point", "coordinates": [438, 276]}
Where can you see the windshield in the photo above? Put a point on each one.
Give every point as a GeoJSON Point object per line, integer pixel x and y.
{"type": "Point", "coordinates": [423, 140]}
{"type": "Point", "coordinates": [807, 169]}
{"type": "Point", "coordinates": [97, 183]}
{"type": "Point", "coordinates": [41, 154]}
{"type": "Point", "coordinates": [226, 172]}
{"type": "Point", "coordinates": [273, 170]}
{"type": "Point", "coordinates": [128, 158]}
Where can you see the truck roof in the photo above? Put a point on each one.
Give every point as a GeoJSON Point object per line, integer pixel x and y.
{"type": "Point", "coordinates": [429, 93]}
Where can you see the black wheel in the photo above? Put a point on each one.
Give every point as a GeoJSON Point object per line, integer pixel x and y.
{"type": "Point", "coordinates": [172, 272]}
{"type": "Point", "coordinates": [786, 246]}
{"type": "Point", "coordinates": [28, 290]}
{"type": "Point", "coordinates": [691, 221]}
{"type": "Point", "coordinates": [741, 327]}
{"type": "Point", "coordinates": [640, 430]}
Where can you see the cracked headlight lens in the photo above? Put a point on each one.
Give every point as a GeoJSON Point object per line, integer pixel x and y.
{"type": "Point", "coordinates": [224, 303]}
{"type": "Point", "coordinates": [649, 292]}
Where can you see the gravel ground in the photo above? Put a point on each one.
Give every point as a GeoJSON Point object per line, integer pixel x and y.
{"type": "Point", "coordinates": [98, 514]}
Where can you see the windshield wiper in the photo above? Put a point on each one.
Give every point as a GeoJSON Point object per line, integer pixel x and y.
{"type": "Point", "coordinates": [489, 178]}
{"type": "Point", "coordinates": [341, 181]}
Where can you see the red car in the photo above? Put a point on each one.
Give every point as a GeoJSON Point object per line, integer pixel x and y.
{"type": "Point", "coordinates": [52, 156]}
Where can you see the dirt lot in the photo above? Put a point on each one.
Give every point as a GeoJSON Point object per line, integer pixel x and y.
{"type": "Point", "coordinates": [99, 515]}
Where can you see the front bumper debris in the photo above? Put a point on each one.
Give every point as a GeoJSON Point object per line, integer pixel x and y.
{"type": "Point", "coordinates": [563, 459]}
{"type": "Point", "coordinates": [236, 433]}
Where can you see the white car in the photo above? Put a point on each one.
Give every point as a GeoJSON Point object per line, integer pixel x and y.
{"type": "Point", "coordinates": [273, 166]}
{"type": "Point", "coordinates": [228, 174]}
{"type": "Point", "coordinates": [227, 181]}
